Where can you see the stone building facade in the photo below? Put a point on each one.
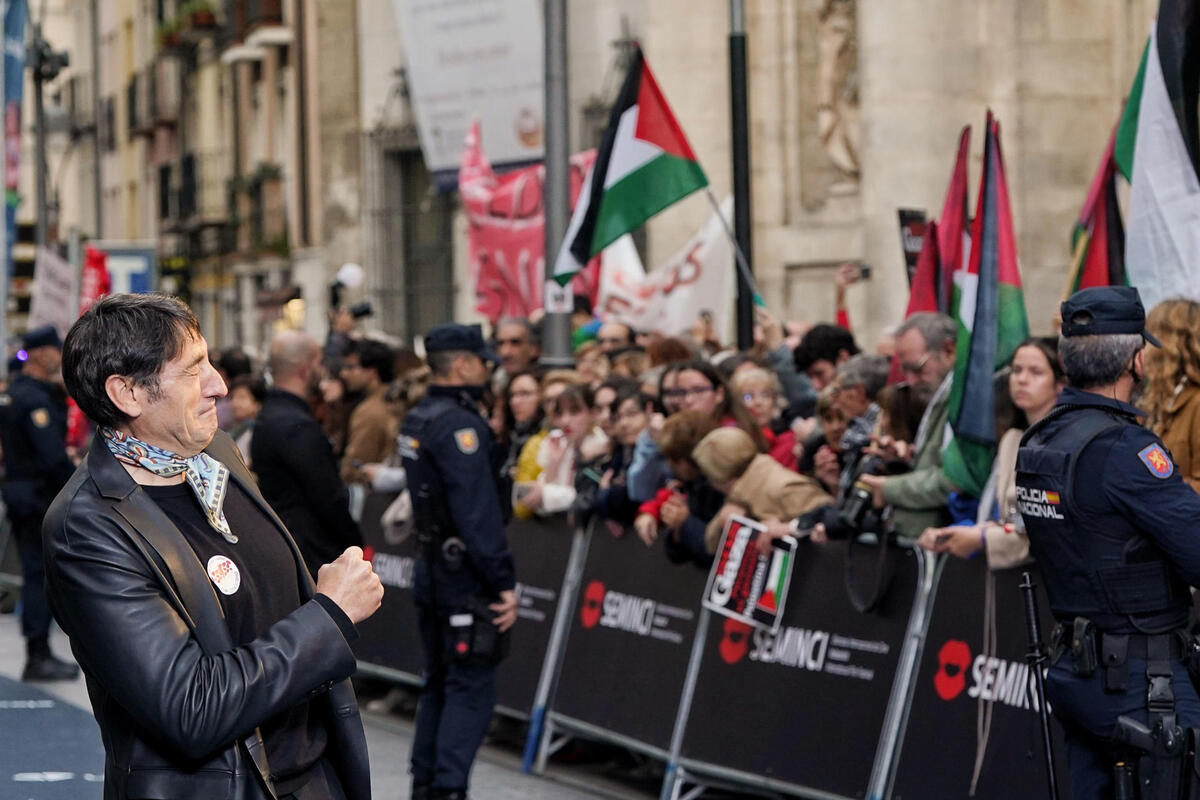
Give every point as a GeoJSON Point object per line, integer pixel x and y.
{"type": "Point", "coordinates": [306, 136]}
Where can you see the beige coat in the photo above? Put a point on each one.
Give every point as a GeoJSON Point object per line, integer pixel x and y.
{"type": "Point", "coordinates": [769, 489]}
{"type": "Point", "coordinates": [1182, 436]}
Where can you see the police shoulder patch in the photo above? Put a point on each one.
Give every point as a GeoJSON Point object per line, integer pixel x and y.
{"type": "Point", "coordinates": [467, 440]}
{"type": "Point", "coordinates": [1157, 461]}
{"type": "Point", "coordinates": [40, 417]}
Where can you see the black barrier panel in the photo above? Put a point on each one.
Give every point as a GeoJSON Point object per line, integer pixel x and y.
{"type": "Point", "coordinates": [804, 706]}
{"type": "Point", "coordinates": [957, 683]}
{"type": "Point", "coordinates": [390, 637]}
{"type": "Point", "coordinates": [627, 652]}
{"type": "Point", "coordinates": [540, 552]}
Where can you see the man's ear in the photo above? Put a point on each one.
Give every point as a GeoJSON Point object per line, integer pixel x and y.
{"type": "Point", "coordinates": [124, 394]}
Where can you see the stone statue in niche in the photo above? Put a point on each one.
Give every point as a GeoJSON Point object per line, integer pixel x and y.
{"type": "Point", "coordinates": [837, 90]}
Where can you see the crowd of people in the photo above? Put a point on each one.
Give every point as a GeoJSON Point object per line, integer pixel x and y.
{"type": "Point", "coordinates": [664, 437]}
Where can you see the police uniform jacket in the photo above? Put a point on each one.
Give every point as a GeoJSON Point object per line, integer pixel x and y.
{"type": "Point", "coordinates": [1109, 517]}
{"type": "Point", "coordinates": [33, 428]}
{"type": "Point", "coordinates": [178, 706]}
{"type": "Point", "coordinates": [446, 447]}
{"type": "Point", "coordinates": [298, 474]}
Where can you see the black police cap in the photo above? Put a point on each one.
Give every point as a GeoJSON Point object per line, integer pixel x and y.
{"type": "Point", "coordinates": [1105, 310]}
{"type": "Point", "coordinates": [452, 336]}
{"type": "Point", "coordinates": [41, 336]}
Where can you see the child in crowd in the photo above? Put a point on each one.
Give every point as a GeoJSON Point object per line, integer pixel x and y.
{"type": "Point", "coordinates": [689, 502]}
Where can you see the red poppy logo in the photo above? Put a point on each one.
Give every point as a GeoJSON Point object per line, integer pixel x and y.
{"type": "Point", "coordinates": [369, 553]}
{"type": "Point", "coordinates": [735, 641]}
{"type": "Point", "coordinates": [951, 676]}
{"type": "Point", "coordinates": [593, 604]}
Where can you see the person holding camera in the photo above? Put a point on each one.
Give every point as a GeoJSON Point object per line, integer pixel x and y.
{"type": "Point", "coordinates": [1112, 523]}
{"type": "Point", "coordinates": [464, 585]}
{"type": "Point", "coordinates": [925, 346]}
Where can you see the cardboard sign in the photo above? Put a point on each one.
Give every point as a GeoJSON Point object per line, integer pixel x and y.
{"type": "Point", "coordinates": [745, 585]}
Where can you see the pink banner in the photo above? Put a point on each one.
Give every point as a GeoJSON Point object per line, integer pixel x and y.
{"type": "Point", "coordinates": [505, 240]}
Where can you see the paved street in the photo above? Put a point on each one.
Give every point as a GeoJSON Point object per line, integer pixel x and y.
{"type": "Point", "coordinates": [56, 771]}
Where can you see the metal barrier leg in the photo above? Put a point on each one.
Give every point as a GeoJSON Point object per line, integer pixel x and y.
{"type": "Point", "coordinates": [671, 780]}
{"type": "Point", "coordinates": [539, 729]}
{"type": "Point", "coordinates": [884, 769]}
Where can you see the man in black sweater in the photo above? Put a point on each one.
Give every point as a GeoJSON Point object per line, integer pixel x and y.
{"type": "Point", "coordinates": [296, 468]}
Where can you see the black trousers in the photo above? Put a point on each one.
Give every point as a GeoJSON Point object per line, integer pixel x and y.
{"type": "Point", "coordinates": [35, 608]}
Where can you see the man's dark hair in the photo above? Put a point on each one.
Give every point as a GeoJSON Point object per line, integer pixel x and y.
{"type": "Point", "coordinates": [234, 362]}
{"type": "Point", "coordinates": [253, 384]}
{"type": "Point", "coordinates": [133, 335]}
{"type": "Point", "coordinates": [823, 343]}
{"type": "Point", "coordinates": [376, 355]}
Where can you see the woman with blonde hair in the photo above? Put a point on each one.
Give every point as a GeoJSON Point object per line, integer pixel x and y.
{"type": "Point", "coordinates": [1172, 394]}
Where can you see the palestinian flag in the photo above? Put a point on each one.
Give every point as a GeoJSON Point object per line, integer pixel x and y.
{"type": "Point", "coordinates": [644, 165]}
{"type": "Point", "coordinates": [923, 294]}
{"type": "Point", "coordinates": [954, 242]}
{"type": "Point", "coordinates": [1158, 150]}
{"type": "Point", "coordinates": [1098, 239]}
{"type": "Point", "coordinates": [991, 323]}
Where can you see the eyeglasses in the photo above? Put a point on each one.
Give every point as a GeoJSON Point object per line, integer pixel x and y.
{"type": "Point", "coordinates": [750, 397]}
{"type": "Point", "coordinates": [917, 367]}
{"type": "Point", "coordinates": [679, 394]}
{"type": "Point", "coordinates": [637, 412]}
{"type": "Point", "coordinates": [611, 340]}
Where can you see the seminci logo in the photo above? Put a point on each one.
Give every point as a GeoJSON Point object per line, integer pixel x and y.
{"type": "Point", "coordinates": [593, 604]}
{"type": "Point", "coordinates": [735, 641]}
{"type": "Point", "coordinates": [951, 677]}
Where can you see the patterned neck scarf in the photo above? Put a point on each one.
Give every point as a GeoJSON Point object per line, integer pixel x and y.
{"type": "Point", "coordinates": [208, 477]}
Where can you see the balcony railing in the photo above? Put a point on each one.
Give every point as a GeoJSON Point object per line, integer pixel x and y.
{"type": "Point", "coordinates": [201, 190]}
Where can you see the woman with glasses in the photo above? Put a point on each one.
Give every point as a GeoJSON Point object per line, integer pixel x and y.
{"type": "Point", "coordinates": [762, 394]}
{"type": "Point", "coordinates": [520, 418]}
{"type": "Point", "coordinates": [631, 414]}
{"type": "Point", "coordinates": [553, 383]}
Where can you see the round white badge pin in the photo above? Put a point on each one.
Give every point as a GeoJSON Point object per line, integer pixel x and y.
{"type": "Point", "coordinates": [224, 574]}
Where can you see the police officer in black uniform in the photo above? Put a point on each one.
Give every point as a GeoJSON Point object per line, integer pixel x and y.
{"type": "Point", "coordinates": [33, 430]}
{"type": "Point", "coordinates": [1115, 530]}
{"type": "Point", "coordinates": [464, 586]}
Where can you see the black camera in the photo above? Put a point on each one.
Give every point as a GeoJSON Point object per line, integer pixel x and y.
{"type": "Point", "coordinates": [860, 498]}
{"type": "Point", "coordinates": [360, 310]}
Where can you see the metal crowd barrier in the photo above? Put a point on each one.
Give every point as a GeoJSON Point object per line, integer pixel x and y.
{"type": "Point", "coordinates": [613, 645]}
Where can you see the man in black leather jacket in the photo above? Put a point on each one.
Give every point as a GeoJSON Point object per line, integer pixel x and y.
{"type": "Point", "coordinates": [214, 666]}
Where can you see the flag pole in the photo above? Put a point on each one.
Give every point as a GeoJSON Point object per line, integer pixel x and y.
{"type": "Point", "coordinates": [739, 107]}
{"type": "Point", "coordinates": [556, 327]}
{"type": "Point", "coordinates": [738, 255]}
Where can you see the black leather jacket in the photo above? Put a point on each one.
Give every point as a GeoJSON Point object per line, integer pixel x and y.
{"type": "Point", "coordinates": [178, 705]}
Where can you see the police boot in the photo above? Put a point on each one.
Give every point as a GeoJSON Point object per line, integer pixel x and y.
{"type": "Point", "coordinates": [450, 794]}
{"type": "Point", "coordinates": [41, 665]}
{"type": "Point", "coordinates": [421, 791]}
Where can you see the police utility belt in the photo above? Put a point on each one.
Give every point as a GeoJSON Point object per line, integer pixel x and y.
{"type": "Point", "coordinates": [1093, 649]}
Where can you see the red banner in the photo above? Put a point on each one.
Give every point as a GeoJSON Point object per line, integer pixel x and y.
{"type": "Point", "coordinates": [506, 238]}
{"type": "Point", "coordinates": [94, 283]}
